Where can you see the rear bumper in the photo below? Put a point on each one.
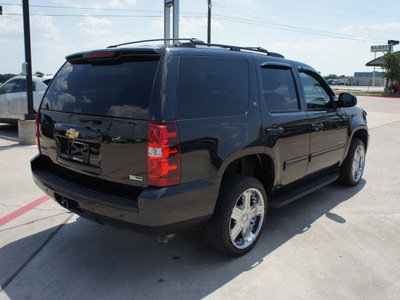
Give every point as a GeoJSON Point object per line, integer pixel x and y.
{"type": "Point", "coordinates": [162, 210]}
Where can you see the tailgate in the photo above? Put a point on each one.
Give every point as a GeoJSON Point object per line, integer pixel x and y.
{"type": "Point", "coordinates": [106, 148]}
{"type": "Point", "coordinates": [94, 114]}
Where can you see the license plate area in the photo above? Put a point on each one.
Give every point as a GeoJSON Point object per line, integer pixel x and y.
{"type": "Point", "coordinates": [79, 152]}
{"type": "Point", "coordinates": [73, 150]}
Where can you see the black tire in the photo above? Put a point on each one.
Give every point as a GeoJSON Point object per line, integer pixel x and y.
{"type": "Point", "coordinates": [234, 193]}
{"type": "Point", "coordinates": [351, 171]}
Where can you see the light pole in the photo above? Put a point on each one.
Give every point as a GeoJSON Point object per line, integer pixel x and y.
{"type": "Point", "coordinates": [209, 23]}
{"type": "Point", "coordinates": [28, 61]}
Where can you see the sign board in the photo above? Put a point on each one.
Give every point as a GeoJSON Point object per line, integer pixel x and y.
{"type": "Point", "coordinates": [381, 48]}
{"type": "Point", "coordinates": [24, 68]}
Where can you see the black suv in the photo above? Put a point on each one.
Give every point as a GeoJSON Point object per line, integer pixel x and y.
{"type": "Point", "coordinates": [166, 137]}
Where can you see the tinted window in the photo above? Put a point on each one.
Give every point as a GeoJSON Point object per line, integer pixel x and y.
{"type": "Point", "coordinates": [316, 97]}
{"type": "Point", "coordinates": [209, 87]}
{"type": "Point", "coordinates": [121, 90]}
{"type": "Point", "coordinates": [21, 86]}
{"type": "Point", "coordinates": [279, 91]}
{"type": "Point", "coordinates": [9, 86]}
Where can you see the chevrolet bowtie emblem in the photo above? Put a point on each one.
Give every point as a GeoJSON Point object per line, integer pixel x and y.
{"type": "Point", "coordinates": [72, 133]}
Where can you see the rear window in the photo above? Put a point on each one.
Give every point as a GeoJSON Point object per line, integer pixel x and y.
{"type": "Point", "coordinates": [118, 90]}
{"type": "Point", "coordinates": [210, 87]}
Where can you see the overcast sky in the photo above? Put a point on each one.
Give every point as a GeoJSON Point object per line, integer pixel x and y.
{"type": "Point", "coordinates": [332, 36]}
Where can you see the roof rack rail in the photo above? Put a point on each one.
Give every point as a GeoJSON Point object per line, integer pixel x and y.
{"type": "Point", "coordinates": [156, 40]}
{"type": "Point", "coordinates": [196, 42]}
{"type": "Point", "coordinates": [238, 48]}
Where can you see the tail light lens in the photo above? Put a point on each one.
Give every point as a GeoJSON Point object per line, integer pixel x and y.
{"type": "Point", "coordinates": [37, 134]}
{"type": "Point", "coordinates": [163, 154]}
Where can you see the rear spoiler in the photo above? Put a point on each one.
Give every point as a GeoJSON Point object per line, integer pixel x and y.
{"type": "Point", "coordinates": [110, 54]}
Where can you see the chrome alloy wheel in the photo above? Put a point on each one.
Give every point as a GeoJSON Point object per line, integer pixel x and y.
{"type": "Point", "coordinates": [358, 163]}
{"type": "Point", "coordinates": [247, 218]}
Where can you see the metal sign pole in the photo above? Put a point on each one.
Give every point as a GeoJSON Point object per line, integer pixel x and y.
{"type": "Point", "coordinates": [28, 59]}
{"type": "Point", "coordinates": [176, 19]}
{"type": "Point", "coordinates": [167, 20]}
{"type": "Point", "coordinates": [373, 74]}
{"type": "Point", "coordinates": [174, 4]}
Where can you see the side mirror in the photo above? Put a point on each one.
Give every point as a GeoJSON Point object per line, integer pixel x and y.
{"type": "Point", "coordinates": [346, 100]}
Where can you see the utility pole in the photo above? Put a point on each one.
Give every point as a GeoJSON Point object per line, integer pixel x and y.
{"type": "Point", "coordinates": [28, 61]}
{"type": "Point", "coordinates": [209, 23]}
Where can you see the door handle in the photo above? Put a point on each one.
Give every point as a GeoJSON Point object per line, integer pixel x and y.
{"type": "Point", "coordinates": [275, 130]}
{"type": "Point", "coordinates": [317, 126]}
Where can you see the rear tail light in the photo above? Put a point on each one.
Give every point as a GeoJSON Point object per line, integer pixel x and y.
{"type": "Point", "coordinates": [163, 153]}
{"type": "Point", "coordinates": [37, 133]}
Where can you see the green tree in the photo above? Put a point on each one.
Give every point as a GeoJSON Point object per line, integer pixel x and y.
{"type": "Point", "coordinates": [5, 77]}
{"type": "Point", "coordinates": [331, 76]}
{"type": "Point", "coordinates": [391, 65]}
{"type": "Point", "coordinates": [38, 73]}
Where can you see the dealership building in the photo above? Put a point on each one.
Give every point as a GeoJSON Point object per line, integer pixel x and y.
{"type": "Point", "coordinates": [365, 78]}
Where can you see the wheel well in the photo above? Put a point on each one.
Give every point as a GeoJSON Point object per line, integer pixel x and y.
{"type": "Point", "coordinates": [362, 135]}
{"type": "Point", "coordinates": [259, 166]}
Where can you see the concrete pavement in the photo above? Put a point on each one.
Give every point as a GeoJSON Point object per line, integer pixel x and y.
{"type": "Point", "coordinates": [337, 243]}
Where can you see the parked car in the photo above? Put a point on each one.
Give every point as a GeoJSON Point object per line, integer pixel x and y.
{"type": "Point", "coordinates": [394, 88]}
{"type": "Point", "coordinates": [332, 82]}
{"type": "Point", "coordinates": [169, 137]}
{"type": "Point", "coordinates": [13, 100]}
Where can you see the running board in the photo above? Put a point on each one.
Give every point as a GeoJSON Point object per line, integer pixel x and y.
{"type": "Point", "coordinates": [303, 190]}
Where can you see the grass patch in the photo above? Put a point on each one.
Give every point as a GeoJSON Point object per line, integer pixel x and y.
{"type": "Point", "coordinates": [378, 94]}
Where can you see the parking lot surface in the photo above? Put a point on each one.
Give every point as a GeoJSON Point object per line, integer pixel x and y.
{"type": "Point", "coordinates": [336, 243]}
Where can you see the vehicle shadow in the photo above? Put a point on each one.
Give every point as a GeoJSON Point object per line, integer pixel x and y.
{"type": "Point", "coordinates": [8, 136]}
{"type": "Point", "coordinates": [86, 260]}
{"type": "Point", "coordinates": [9, 129]}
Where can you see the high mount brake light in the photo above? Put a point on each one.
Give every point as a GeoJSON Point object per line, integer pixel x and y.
{"type": "Point", "coordinates": [37, 133]}
{"type": "Point", "coordinates": [101, 54]}
{"type": "Point", "coordinates": [163, 153]}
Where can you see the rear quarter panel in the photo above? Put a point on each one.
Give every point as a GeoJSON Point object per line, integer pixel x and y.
{"type": "Point", "coordinates": [209, 144]}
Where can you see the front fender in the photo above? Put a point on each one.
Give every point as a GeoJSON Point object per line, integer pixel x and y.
{"type": "Point", "coordinates": [358, 127]}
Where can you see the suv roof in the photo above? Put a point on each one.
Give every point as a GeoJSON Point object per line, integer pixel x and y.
{"type": "Point", "coordinates": [181, 43]}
